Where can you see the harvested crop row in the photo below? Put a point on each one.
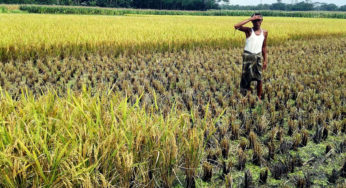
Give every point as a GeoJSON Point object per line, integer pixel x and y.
{"type": "Point", "coordinates": [187, 78]}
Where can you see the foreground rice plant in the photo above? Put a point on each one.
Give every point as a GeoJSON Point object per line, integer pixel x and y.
{"type": "Point", "coordinates": [33, 36]}
{"type": "Point", "coordinates": [101, 140]}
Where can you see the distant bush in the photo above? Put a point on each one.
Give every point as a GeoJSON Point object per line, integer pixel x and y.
{"type": "Point", "coordinates": [3, 9]}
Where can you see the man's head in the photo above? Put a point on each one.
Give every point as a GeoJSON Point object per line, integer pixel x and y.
{"type": "Point", "coordinates": [257, 20]}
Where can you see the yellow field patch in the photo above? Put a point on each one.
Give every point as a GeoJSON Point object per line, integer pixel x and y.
{"type": "Point", "coordinates": [28, 35]}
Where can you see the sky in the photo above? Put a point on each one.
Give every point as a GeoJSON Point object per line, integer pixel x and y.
{"type": "Point", "coordinates": [255, 2]}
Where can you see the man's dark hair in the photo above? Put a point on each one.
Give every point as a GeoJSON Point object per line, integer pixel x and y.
{"type": "Point", "coordinates": [257, 14]}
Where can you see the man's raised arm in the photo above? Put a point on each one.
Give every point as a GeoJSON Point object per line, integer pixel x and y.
{"type": "Point", "coordinates": [247, 30]}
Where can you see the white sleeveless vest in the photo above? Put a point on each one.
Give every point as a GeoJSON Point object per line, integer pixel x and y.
{"type": "Point", "coordinates": [254, 42]}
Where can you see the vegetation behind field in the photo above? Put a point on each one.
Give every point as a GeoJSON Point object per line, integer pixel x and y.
{"type": "Point", "coordinates": [103, 11]}
{"type": "Point", "coordinates": [185, 5]}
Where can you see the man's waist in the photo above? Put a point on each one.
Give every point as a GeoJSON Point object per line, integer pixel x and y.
{"type": "Point", "coordinates": [250, 53]}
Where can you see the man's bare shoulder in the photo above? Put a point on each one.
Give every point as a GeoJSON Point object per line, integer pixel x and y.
{"type": "Point", "coordinates": [265, 32]}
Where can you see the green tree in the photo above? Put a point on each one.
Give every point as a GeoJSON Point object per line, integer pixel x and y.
{"type": "Point", "coordinates": [342, 8]}
{"type": "Point", "coordinates": [278, 6]}
{"type": "Point", "coordinates": [328, 7]}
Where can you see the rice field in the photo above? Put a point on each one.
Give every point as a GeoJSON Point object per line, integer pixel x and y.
{"type": "Point", "coordinates": [28, 37]}
{"type": "Point", "coordinates": [154, 101]}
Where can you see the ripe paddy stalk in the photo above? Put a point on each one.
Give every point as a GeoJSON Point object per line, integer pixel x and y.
{"type": "Point", "coordinates": [193, 153]}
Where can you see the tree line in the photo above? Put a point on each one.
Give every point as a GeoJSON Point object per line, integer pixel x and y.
{"type": "Point", "coordinates": [185, 4]}
{"type": "Point", "coordinates": [300, 6]}
{"type": "Point", "coordinates": [143, 4]}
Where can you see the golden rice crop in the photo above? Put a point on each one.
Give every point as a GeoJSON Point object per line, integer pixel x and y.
{"type": "Point", "coordinates": [32, 36]}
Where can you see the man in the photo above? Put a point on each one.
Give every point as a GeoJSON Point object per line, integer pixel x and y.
{"type": "Point", "coordinates": [255, 45]}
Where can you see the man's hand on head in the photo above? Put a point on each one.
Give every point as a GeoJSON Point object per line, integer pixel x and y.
{"type": "Point", "coordinates": [257, 17]}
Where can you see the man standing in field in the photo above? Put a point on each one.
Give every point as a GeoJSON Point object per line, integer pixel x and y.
{"type": "Point", "coordinates": [255, 45]}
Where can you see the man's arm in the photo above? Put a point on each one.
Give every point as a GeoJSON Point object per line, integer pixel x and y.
{"type": "Point", "coordinates": [264, 50]}
{"type": "Point", "coordinates": [246, 30]}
